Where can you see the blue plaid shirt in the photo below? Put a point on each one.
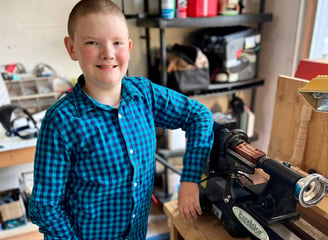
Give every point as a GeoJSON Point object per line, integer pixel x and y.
{"type": "Point", "coordinates": [94, 164]}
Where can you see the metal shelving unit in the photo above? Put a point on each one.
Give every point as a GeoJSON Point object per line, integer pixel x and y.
{"type": "Point", "coordinates": [229, 88]}
{"type": "Point", "coordinates": [206, 22]}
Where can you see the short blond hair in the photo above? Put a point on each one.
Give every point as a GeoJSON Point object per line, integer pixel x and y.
{"type": "Point", "coordinates": [85, 7]}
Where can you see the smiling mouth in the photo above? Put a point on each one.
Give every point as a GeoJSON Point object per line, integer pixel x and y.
{"type": "Point", "coordinates": [106, 66]}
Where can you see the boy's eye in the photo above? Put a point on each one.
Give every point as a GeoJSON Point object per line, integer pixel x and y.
{"type": "Point", "coordinates": [91, 42]}
{"type": "Point", "coordinates": [117, 43]}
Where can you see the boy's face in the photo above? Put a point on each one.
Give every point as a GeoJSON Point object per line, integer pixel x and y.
{"type": "Point", "coordinates": [102, 47]}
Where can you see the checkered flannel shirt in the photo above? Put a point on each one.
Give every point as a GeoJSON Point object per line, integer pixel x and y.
{"type": "Point", "coordinates": [94, 164]}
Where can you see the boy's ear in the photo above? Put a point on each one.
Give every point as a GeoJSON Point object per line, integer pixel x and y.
{"type": "Point", "coordinates": [69, 44]}
{"type": "Point", "coordinates": [130, 44]}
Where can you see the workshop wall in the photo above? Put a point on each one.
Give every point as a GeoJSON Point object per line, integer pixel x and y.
{"type": "Point", "coordinates": [279, 54]}
{"type": "Point", "coordinates": [33, 32]}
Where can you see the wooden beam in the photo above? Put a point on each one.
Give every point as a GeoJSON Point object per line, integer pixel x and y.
{"type": "Point", "coordinates": [311, 10]}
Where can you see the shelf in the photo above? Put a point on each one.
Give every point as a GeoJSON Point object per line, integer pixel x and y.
{"type": "Point", "coordinates": [218, 21]}
{"type": "Point", "coordinates": [228, 88]}
{"type": "Point", "coordinates": [33, 96]}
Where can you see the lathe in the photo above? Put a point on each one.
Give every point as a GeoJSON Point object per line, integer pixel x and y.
{"type": "Point", "coordinates": [248, 209]}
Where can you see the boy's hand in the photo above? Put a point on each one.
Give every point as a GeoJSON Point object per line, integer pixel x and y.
{"type": "Point", "coordinates": [188, 200]}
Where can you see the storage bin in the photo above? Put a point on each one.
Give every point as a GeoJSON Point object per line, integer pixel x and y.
{"type": "Point", "coordinates": [34, 94]}
{"type": "Point", "coordinates": [12, 209]}
{"type": "Point", "coordinates": [202, 8]}
{"type": "Point", "coordinates": [231, 51]}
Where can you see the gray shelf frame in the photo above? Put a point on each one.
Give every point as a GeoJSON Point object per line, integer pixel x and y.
{"type": "Point", "coordinates": [205, 22]}
{"type": "Point", "coordinates": [214, 89]}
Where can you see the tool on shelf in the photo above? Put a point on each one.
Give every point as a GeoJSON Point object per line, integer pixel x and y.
{"type": "Point", "coordinates": [18, 122]}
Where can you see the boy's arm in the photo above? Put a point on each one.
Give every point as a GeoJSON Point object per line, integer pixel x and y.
{"type": "Point", "coordinates": [173, 110]}
{"type": "Point", "coordinates": [52, 221]}
{"type": "Point", "coordinates": [51, 170]}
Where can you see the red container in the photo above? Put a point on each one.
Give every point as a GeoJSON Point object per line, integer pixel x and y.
{"type": "Point", "coordinates": [202, 8]}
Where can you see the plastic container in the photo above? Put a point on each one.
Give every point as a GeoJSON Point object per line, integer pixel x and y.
{"type": "Point", "coordinates": [250, 123]}
{"type": "Point", "coordinates": [182, 8]}
{"type": "Point", "coordinates": [202, 8]}
{"type": "Point", "coordinates": [168, 8]}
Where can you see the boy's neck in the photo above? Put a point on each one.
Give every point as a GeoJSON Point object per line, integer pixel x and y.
{"type": "Point", "coordinates": [111, 97]}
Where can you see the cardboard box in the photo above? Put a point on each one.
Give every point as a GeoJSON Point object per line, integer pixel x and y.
{"type": "Point", "coordinates": [308, 69]}
{"type": "Point", "coordinates": [176, 139]}
{"type": "Point", "coordinates": [12, 210]}
{"type": "Point", "coordinates": [202, 8]}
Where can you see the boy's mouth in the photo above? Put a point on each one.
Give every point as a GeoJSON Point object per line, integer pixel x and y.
{"type": "Point", "coordinates": [106, 66]}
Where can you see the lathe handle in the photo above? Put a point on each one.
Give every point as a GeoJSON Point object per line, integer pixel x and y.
{"type": "Point", "coordinates": [249, 152]}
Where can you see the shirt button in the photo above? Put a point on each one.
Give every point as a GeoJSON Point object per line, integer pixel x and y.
{"type": "Point", "coordinates": [119, 116]}
{"type": "Point", "coordinates": [131, 151]}
{"type": "Point", "coordinates": [135, 184]}
{"type": "Point", "coordinates": [133, 216]}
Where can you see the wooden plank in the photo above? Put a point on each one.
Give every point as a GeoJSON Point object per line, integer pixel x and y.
{"type": "Point", "coordinates": [16, 157]}
{"type": "Point", "coordinates": [28, 236]}
{"type": "Point", "coordinates": [304, 228]}
{"type": "Point", "coordinates": [311, 9]}
{"type": "Point", "coordinates": [317, 216]}
{"type": "Point", "coordinates": [284, 131]}
{"type": "Point", "coordinates": [286, 122]}
{"type": "Point", "coordinates": [174, 233]}
{"type": "Point", "coordinates": [26, 232]}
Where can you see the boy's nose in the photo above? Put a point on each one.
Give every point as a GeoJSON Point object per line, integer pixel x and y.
{"type": "Point", "coordinates": [107, 53]}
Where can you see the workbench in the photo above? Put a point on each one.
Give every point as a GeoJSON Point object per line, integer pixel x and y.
{"type": "Point", "coordinates": [18, 156]}
{"type": "Point", "coordinates": [12, 154]}
{"type": "Point", "coordinates": [205, 227]}
{"type": "Point", "coordinates": [208, 227]}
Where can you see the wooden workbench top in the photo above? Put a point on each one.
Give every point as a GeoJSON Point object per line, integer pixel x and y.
{"type": "Point", "coordinates": [16, 157]}
{"type": "Point", "coordinates": [206, 227]}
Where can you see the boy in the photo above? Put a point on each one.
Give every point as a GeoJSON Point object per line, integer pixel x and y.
{"type": "Point", "coordinates": [95, 157]}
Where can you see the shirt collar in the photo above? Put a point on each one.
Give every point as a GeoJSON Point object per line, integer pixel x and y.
{"type": "Point", "coordinates": [84, 103]}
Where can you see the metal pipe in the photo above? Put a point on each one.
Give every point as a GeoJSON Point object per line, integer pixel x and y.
{"type": "Point", "coordinates": [167, 164]}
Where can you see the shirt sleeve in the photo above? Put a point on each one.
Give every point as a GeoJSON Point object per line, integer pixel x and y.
{"type": "Point", "coordinates": [51, 168]}
{"type": "Point", "coordinates": [173, 110]}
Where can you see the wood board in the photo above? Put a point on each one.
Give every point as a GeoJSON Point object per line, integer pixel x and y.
{"type": "Point", "coordinates": [284, 131]}
{"type": "Point", "coordinates": [286, 122]}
